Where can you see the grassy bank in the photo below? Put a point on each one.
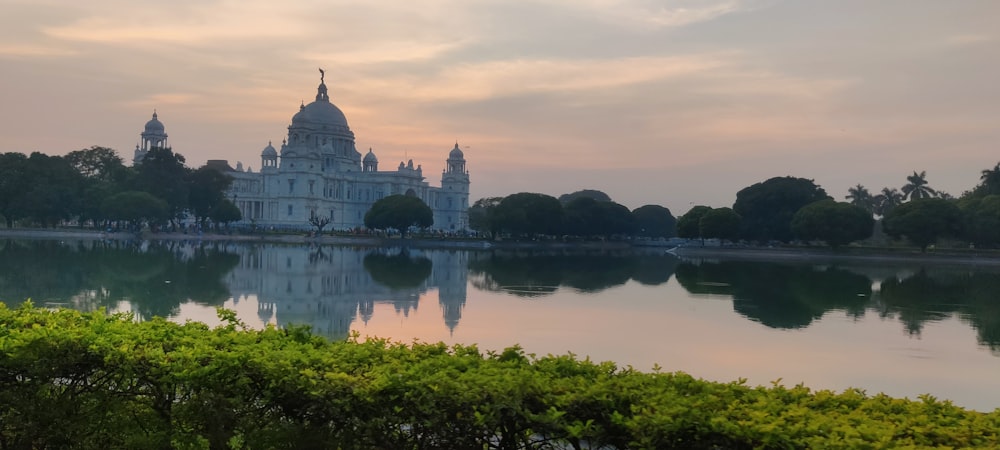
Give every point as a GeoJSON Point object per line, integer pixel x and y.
{"type": "Point", "coordinates": [88, 380]}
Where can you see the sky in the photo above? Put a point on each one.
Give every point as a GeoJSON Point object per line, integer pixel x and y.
{"type": "Point", "coordinates": [675, 103]}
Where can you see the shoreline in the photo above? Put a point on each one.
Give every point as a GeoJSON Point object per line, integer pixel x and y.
{"type": "Point", "coordinates": [814, 255]}
{"type": "Point", "coordinates": [824, 255]}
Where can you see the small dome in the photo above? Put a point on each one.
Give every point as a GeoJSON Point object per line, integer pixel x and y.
{"type": "Point", "coordinates": [456, 153]}
{"type": "Point", "coordinates": [269, 150]}
{"type": "Point", "coordinates": [154, 125]}
{"type": "Point", "coordinates": [370, 156]}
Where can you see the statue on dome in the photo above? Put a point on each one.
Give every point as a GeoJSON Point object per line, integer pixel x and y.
{"type": "Point", "coordinates": [322, 73]}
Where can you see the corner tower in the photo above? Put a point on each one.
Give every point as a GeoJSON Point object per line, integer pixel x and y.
{"type": "Point", "coordinates": [153, 135]}
{"type": "Point", "coordinates": [455, 191]}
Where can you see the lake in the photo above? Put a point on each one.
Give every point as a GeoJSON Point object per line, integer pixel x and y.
{"type": "Point", "coordinates": [903, 329]}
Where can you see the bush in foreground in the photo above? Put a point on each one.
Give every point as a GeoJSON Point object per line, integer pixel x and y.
{"type": "Point", "coordinates": [89, 380]}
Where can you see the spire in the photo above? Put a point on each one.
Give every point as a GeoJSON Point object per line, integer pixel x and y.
{"type": "Point", "coordinates": [321, 94]}
{"type": "Point", "coordinates": [154, 113]}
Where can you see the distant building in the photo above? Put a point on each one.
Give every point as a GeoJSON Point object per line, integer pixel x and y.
{"type": "Point", "coordinates": [153, 135]}
{"type": "Point", "coordinates": [319, 172]}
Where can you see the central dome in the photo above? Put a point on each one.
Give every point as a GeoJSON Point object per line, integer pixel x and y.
{"type": "Point", "coordinates": [320, 112]}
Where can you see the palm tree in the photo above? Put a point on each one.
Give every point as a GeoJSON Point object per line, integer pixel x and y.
{"type": "Point", "coordinates": [916, 187]}
{"type": "Point", "coordinates": [859, 196]}
{"type": "Point", "coordinates": [888, 199]}
{"type": "Point", "coordinates": [990, 181]}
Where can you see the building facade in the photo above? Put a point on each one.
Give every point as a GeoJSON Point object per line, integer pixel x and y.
{"type": "Point", "coordinates": [318, 172]}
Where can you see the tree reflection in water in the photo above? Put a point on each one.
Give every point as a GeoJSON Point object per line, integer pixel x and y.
{"type": "Point", "coordinates": [792, 296]}
{"type": "Point", "coordinates": [537, 274]}
{"type": "Point", "coordinates": [156, 278]}
{"type": "Point", "coordinates": [398, 271]}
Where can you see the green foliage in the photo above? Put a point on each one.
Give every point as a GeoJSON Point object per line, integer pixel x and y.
{"type": "Point", "coordinates": [13, 180]}
{"type": "Point", "coordinates": [206, 192]}
{"type": "Point", "coordinates": [916, 187]}
{"type": "Point", "coordinates": [886, 201]}
{"type": "Point", "coordinates": [923, 221]}
{"type": "Point", "coordinates": [860, 197]}
{"type": "Point", "coordinates": [981, 219]}
{"type": "Point", "coordinates": [989, 182]}
{"type": "Point", "coordinates": [832, 222]}
{"type": "Point", "coordinates": [483, 216]}
{"type": "Point", "coordinates": [655, 221]}
{"type": "Point", "coordinates": [135, 207]}
{"type": "Point", "coordinates": [48, 189]}
{"type": "Point", "coordinates": [530, 214]}
{"type": "Point", "coordinates": [593, 194]}
{"type": "Point", "coordinates": [399, 212]}
{"type": "Point", "coordinates": [767, 207]}
{"type": "Point", "coordinates": [720, 223]}
{"type": "Point", "coordinates": [225, 212]}
{"type": "Point", "coordinates": [689, 225]}
{"type": "Point", "coordinates": [88, 380]}
{"type": "Point", "coordinates": [587, 217]}
{"type": "Point", "coordinates": [162, 174]}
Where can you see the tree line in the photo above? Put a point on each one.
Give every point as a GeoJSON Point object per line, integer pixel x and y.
{"type": "Point", "coordinates": [584, 214]}
{"type": "Point", "coordinates": [783, 209]}
{"type": "Point", "coordinates": [93, 187]}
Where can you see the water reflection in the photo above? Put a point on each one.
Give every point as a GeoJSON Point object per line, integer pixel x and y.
{"type": "Point", "coordinates": [536, 274]}
{"type": "Point", "coordinates": [155, 277]}
{"type": "Point", "coordinates": [791, 296]}
{"type": "Point", "coordinates": [329, 288]}
{"type": "Point", "coordinates": [779, 295]}
{"type": "Point", "coordinates": [930, 296]}
{"type": "Point", "coordinates": [334, 289]}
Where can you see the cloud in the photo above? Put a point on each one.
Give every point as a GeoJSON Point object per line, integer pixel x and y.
{"type": "Point", "coordinates": [965, 40]}
{"type": "Point", "coordinates": [666, 14]}
{"type": "Point", "coordinates": [34, 50]}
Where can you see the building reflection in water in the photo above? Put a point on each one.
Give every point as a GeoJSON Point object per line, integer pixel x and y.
{"type": "Point", "coordinates": [328, 287]}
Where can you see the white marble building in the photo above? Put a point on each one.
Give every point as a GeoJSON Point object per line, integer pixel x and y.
{"type": "Point", "coordinates": [319, 172]}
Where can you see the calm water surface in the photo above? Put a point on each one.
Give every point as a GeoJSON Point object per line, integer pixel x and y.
{"type": "Point", "coordinates": [902, 330]}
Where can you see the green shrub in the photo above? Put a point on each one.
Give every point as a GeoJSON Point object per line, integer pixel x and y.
{"type": "Point", "coordinates": [90, 380]}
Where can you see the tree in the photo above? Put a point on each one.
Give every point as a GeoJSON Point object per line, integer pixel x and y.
{"type": "Point", "coordinates": [399, 212]}
{"type": "Point", "coordinates": [834, 223]}
{"type": "Point", "coordinates": [482, 216]}
{"type": "Point", "coordinates": [885, 201]}
{"type": "Point", "coordinates": [98, 162]}
{"type": "Point", "coordinates": [767, 208]}
{"type": "Point", "coordinates": [923, 221]}
{"type": "Point", "coordinates": [585, 193]}
{"type": "Point", "coordinates": [981, 219]}
{"type": "Point", "coordinates": [319, 222]}
{"type": "Point", "coordinates": [989, 182]}
{"type": "Point", "coordinates": [655, 221]}
{"type": "Point", "coordinates": [206, 191]}
{"type": "Point", "coordinates": [225, 213]}
{"type": "Point", "coordinates": [530, 214]}
{"type": "Point", "coordinates": [104, 174]}
{"type": "Point", "coordinates": [52, 192]}
{"type": "Point", "coordinates": [585, 216]}
{"type": "Point", "coordinates": [135, 207]}
{"type": "Point", "coordinates": [13, 181]}
{"type": "Point", "coordinates": [859, 196]}
{"type": "Point", "coordinates": [720, 223]}
{"type": "Point", "coordinates": [689, 225]}
{"type": "Point", "coordinates": [916, 187]}
{"type": "Point", "coordinates": [162, 173]}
